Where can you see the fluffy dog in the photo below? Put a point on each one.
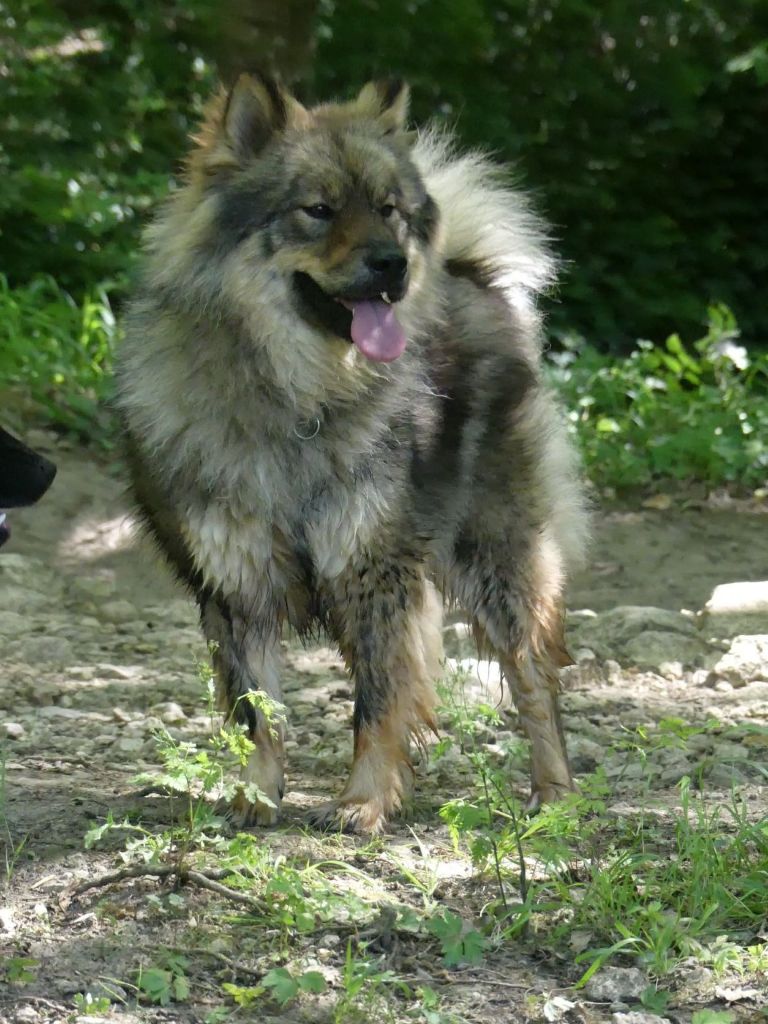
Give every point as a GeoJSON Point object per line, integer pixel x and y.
{"type": "Point", "coordinates": [333, 404]}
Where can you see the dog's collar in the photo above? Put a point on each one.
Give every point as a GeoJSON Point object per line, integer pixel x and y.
{"type": "Point", "coordinates": [305, 430]}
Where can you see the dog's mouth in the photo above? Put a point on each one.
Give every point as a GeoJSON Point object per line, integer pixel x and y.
{"type": "Point", "coordinates": [368, 321]}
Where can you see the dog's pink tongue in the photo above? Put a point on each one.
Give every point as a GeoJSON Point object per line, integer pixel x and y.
{"type": "Point", "coordinates": [376, 331]}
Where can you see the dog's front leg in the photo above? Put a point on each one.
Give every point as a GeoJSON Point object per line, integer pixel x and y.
{"type": "Point", "coordinates": [386, 620]}
{"type": "Point", "coordinates": [247, 659]}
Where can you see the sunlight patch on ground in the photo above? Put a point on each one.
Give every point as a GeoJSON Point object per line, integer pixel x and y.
{"type": "Point", "coordinates": [93, 538]}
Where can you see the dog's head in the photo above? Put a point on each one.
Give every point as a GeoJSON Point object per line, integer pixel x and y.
{"type": "Point", "coordinates": [25, 476]}
{"type": "Point", "coordinates": [328, 196]}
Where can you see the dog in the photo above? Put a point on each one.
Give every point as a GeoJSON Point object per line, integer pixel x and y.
{"type": "Point", "coordinates": [25, 476]}
{"type": "Point", "coordinates": [334, 412]}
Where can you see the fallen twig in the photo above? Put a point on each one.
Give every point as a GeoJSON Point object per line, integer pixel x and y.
{"type": "Point", "coordinates": [203, 879]}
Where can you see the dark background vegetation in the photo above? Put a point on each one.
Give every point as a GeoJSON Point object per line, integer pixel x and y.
{"type": "Point", "coordinates": [640, 126]}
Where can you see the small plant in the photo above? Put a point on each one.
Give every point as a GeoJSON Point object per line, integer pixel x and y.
{"type": "Point", "coordinates": [21, 970]}
{"type": "Point", "coordinates": [459, 943]}
{"type": "Point", "coordinates": [164, 983]}
{"type": "Point", "coordinates": [622, 885]}
{"type": "Point", "coordinates": [91, 1006]}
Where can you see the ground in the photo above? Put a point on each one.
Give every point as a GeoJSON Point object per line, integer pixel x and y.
{"type": "Point", "coordinates": [100, 649]}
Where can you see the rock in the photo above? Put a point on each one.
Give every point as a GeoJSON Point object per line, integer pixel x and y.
{"type": "Point", "coordinates": [95, 588]}
{"type": "Point", "coordinates": [584, 654]}
{"type": "Point", "coordinates": [654, 649]}
{"type": "Point", "coordinates": [25, 1015]}
{"type": "Point", "coordinates": [169, 712]}
{"type": "Point", "coordinates": [481, 682]}
{"type": "Point", "coordinates": [641, 635]}
{"type": "Point", "coordinates": [28, 585]}
{"type": "Point", "coordinates": [737, 608]}
{"type": "Point", "coordinates": [47, 650]}
{"type": "Point", "coordinates": [130, 744]}
{"type": "Point", "coordinates": [612, 670]}
{"type": "Point", "coordinates": [639, 1017]}
{"type": "Point", "coordinates": [118, 611]}
{"type": "Point", "coordinates": [109, 671]}
{"type": "Point", "coordinates": [12, 624]}
{"type": "Point", "coordinates": [745, 661]}
{"type": "Point", "coordinates": [458, 641]}
{"type": "Point", "coordinates": [612, 984]}
{"type": "Point", "coordinates": [14, 730]}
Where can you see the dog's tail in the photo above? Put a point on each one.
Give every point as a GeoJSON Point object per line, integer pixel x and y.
{"type": "Point", "coordinates": [485, 222]}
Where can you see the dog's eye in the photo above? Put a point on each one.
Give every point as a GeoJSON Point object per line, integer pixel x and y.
{"type": "Point", "coordinates": [387, 210]}
{"type": "Point", "coordinates": [320, 211]}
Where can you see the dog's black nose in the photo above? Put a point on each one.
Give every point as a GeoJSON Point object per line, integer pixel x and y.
{"type": "Point", "coordinates": [389, 266]}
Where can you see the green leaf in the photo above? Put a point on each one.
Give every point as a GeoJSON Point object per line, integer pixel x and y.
{"type": "Point", "coordinates": [712, 1017]}
{"type": "Point", "coordinates": [156, 984]}
{"type": "Point", "coordinates": [282, 983]}
{"type": "Point", "coordinates": [180, 987]}
{"type": "Point", "coordinates": [312, 981]}
{"type": "Point", "coordinates": [244, 996]}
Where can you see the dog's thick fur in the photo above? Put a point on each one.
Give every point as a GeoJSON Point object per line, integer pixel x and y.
{"type": "Point", "coordinates": [293, 481]}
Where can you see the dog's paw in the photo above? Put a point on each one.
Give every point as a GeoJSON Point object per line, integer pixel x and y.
{"type": "Point", "coordinates": [245, 813]}
{"type": "Point", "coordinates": [548, 793]}
{"type": "Point", "coordinates": [355, 818]}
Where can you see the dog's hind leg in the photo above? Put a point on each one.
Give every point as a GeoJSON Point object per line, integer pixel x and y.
{"type": "Point", "coordinates": [387, 623]}
{"type": "Point", "coordinates": [514, 598]}
{"type": "Point", "coordinates": [246, 657]}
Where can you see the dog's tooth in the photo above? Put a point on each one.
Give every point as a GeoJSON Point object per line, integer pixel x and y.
{"type": "Point", "coordinates": [386, 298]}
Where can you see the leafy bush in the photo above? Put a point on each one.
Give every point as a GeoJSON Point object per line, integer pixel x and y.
{"type": "Point", "coordinates": [57, 352]}
{"type": "Point", "coordinates": [94, 112]}
{"type": "Point", "coordinates": [682, 411]}
{"type": "Point", "coordinates": [626, 119]}
{"type": "Point", "coordinates": [637, 122]}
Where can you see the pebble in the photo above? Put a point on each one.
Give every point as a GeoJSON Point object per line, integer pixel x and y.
{"type": "Point", "coordinates": [14, 731]}
{"type": "Point", "coordinates": [130, 744]}
{"type": "Point", "coordinates": [50, 650]}
{"type": "Point", "coordinates": [639, 1017]}
{"type": "Point", "coordinates": [25, 1015]}
{"type": "Point", "coordinates": [118, 611]}
{"type": "Point", "coordinates": [616, 983]}
{"type": "Point", "coordinates": [169, 712]}
{"type": "Point", "coordinates": [612, 670]}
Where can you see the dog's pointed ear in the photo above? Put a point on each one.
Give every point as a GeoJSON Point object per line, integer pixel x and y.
{"type": "Point", "coordinates": [239, 123]}
{"type": "Point", "coordinates": [386, 101]}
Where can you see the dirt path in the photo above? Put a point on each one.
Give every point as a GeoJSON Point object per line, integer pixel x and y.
{"type": "Point", "coordinates": [99, 647]}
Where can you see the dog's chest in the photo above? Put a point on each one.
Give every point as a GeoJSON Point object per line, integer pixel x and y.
{"type": "Point", "coordinates": [281, 511]}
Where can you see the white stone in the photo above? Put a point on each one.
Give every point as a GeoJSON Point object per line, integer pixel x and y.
{"type": "Point", "coordinates": [746, 661]}
{"type": "Point", "coordinates": [615, 983]}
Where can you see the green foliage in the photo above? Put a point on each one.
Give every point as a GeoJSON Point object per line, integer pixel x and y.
{"type": "Point", "coordinates": [21, 970]}
{"type": "Point", "coordinates": [285, 986]}
{"type": "Point", "coordinates": [637, 123]}
{"type": "Point", "coordinates": [712, 1017]}
{"type": "Point", "coordinates": [92, 1006]}
{"type": "Point", "coordinates": [622, 886]}
{"type": "Point", "coordinates": [459, 943]}
{"type": "Point", "coordinates": [687, 412]}
{"type": "Point", "coordinates": [57, 350]}
{"type": "Point", "coordinates": [94, 113]}
{"type": "Point", "coordinates": [164, 984]}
